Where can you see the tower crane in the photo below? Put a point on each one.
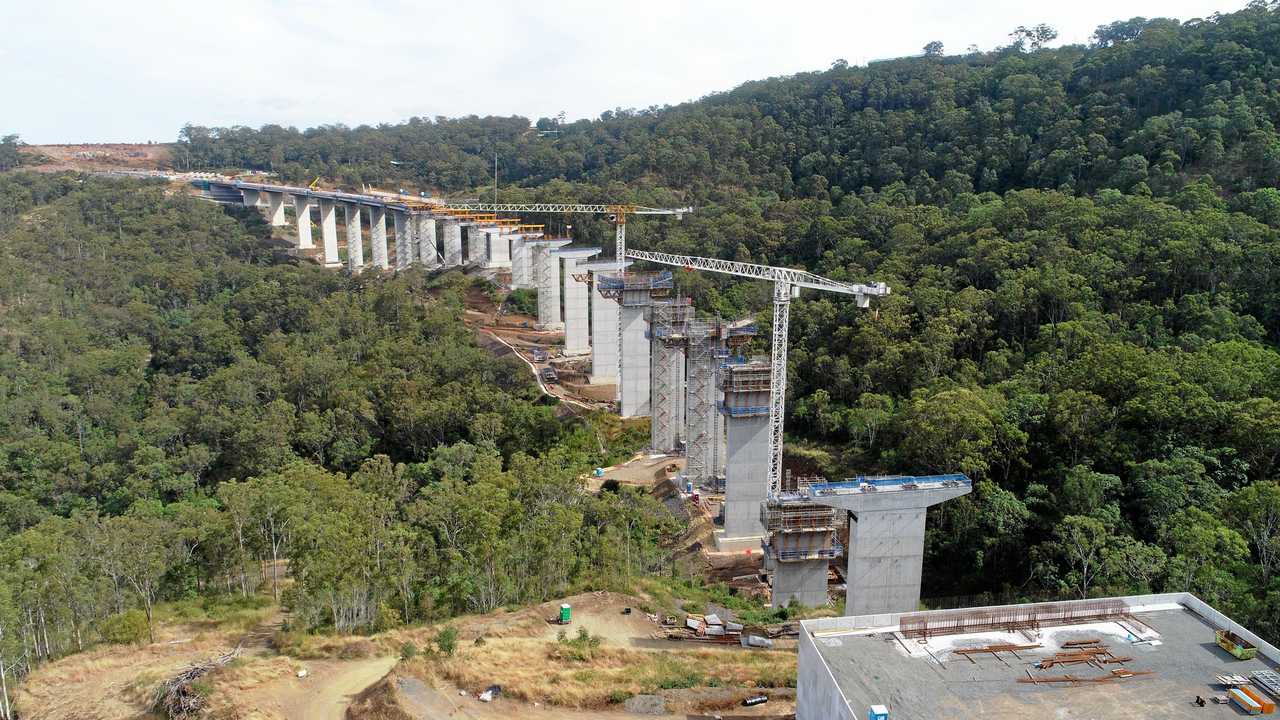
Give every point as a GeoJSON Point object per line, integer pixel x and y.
{"type": "Point", "coordinates": [786, 285]}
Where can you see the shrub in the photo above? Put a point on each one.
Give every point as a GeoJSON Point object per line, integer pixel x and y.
{"type": "Point", "coordinates": [387, 618]}
{"type": "Point", "coordinates": [408, 651]}
{"type": "Point", "coordinates": [447, 640]}
{"type": "Point", "coordinates": [617, 697]}
{"type": "Point", "coordinates": [124, 628]}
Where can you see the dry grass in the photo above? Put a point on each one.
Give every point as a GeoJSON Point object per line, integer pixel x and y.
{"type": "Point", "coordinates": [539, 671]}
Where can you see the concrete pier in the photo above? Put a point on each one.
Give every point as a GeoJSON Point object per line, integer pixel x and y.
{"type": "Point", "coordinates": [577, 332]}
{"type": "Point", "coordinates": [404, 239]}
{"type": "Point", "coordinates": [329, 233]}
{"type": "Point", "coordinates": [746, 480]}
{"type": "Point", "coordinates": [251, 197]}
{"type": "Point", "coordinates": [522, 260]}
{"type": "Point", "coordinates": [452, 244]}
{"type": "Point", "coordinates": [275, 209]}
{"type": "Point", "coordinates": [302, 213]}
{"type": "Point", "coordinates": [378, 236]}
{"type": "Point", "coordinates": [634, 400]}
{"type": "Point", "coordinates": [886, 535]}
{"type": "Point", "coordinates": [634, 293]}
{"type": "Point", "coordinates": [355, 238]}
{"type": "Point", "coordinates": [428, 253]}
{"type": "Point", "coordinates": [499, 248]}
{"type": "Point", "coordinates": [668, 322]}
{"type": "Point", "coordinates": [549, 291]}
{"type": "Point", "coordinates": [477, 244]}
{"type": "Point", "coordinates": [604, 324]}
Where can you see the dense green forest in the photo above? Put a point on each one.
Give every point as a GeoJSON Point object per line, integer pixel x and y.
{"type": "Point", "coordinates": [178, 412]}
{"type": "Point", "coordinates": [1084, 247]}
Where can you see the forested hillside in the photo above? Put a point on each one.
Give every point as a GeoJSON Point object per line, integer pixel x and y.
{"type": "Point", "coordinates": [177, 412]}
{"type": "Point", "coordinates": [1084, 247]}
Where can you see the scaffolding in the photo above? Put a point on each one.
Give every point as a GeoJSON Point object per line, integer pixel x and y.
{"type": "Point", "coordinates": [667, 323]}
{"type": "Point", "coordinates": [619, 286]}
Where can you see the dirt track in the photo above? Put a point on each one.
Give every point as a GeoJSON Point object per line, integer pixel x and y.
{"type": "Point", "coordinates": [328, 693]}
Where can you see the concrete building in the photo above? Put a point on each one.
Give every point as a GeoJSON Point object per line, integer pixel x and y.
{"type": "Point", "coordinates": [634, 292]}
{"type": "Point", "coordinates": [886, 535]}
{"type": "Point", "coordinates": [1155, 655]}
{"type": "Point", "coordinates": [548, 281]}
{"type": "Point", "coordinates": [577, 331]}
{"type": "Point", "coordinates": [746, 478]}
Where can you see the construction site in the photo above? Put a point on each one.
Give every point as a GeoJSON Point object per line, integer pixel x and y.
{"type": "Point", "coordinates": [1166, 656]}
{"type": "Point", "coordinates": [608, 336]}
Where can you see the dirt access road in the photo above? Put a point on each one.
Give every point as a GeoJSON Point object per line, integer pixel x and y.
{"type": "Point", "coordinates": [324, 694]}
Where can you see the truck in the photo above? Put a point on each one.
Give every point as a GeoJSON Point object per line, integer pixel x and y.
{"type": "Point", "coordinates": [548, 375]}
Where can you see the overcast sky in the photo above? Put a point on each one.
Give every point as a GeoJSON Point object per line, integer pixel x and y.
{"type": "Point", "coordinates": [125, 71]}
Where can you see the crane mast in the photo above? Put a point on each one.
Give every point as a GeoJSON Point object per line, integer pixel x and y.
{"type": "Point", "coordinates": [787, 283]}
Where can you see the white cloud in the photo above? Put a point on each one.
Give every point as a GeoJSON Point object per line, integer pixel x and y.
{"type": "Point", "coordinates": [83, 70]}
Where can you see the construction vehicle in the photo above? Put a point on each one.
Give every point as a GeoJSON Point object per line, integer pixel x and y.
{"type": "Point", "coordinates": [549, 375]}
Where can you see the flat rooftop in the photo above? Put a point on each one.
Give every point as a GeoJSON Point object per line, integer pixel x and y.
{"type": "Point", "coordinates": [927, 679]}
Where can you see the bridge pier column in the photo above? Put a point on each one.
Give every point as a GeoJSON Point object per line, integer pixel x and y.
{"type": "Point", "coordinates": [378, 236]}
{"type": "Point", "coordinates": [427, 251]}
{"type": "Point", "coordinates": [302, 211]}
{"type": "Point", "coordinates": [275, 209]}
{"type": "Point", "coordinates": [404, 239]}
{"type": "Point", "coordinates": [329, 233]}
{"type": "Point", "coordinates": [452, 244]}
{"type": "Point", "coordinates": [355, 239]}
{"type": "Point", "coordinates": [251, 197]}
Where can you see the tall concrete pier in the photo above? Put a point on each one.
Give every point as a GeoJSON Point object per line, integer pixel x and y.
{"type": "Point", "coordinates": [378, 237]}
{"type": "Point", "coordinates": [428, 253]}
{"type": "Point", "coordinates": [746, 478]}
{"type": "Point", "coordinates": [800, 547]}
{"type": "Point", "coordinates": [604, 324]}
{"type": "Point", "coordinates": [886, 535]}
{"type": "Point", "coordinates": [577, 331]}
{"type": "Point", "coordinates": [452, 243]}
{"type": "Point", "coordinates": [634, 292]}
{"type": "Point", "coordinates": [355, 238]}
{"type": "Point", "coordinates": [668, 338]}
{"type": "Point", "coordinates": [329, 233]}
{"type": "Point", "coordinates": [302, 212]}
{"type": "Point", "coordinates": [275, 209]}
{"type": "Point", "coordinates": [548, 265]}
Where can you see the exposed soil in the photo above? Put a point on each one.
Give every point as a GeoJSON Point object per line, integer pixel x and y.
{"type": "Point", "coordinates": [98, 157]}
